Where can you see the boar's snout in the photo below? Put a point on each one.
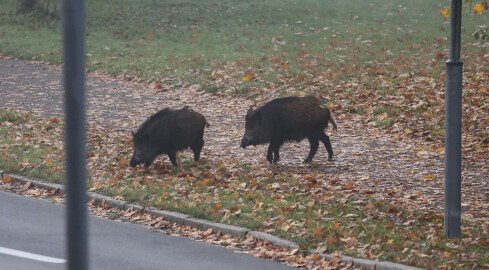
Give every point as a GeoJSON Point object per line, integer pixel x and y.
{"type": "Point", "coordinates": [244, 143]}
{"type": "Point", "coordinates": [133, 163]}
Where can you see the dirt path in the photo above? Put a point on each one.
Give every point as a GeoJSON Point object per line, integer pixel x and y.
{"type": "Point", "coordinates": [392, 168]}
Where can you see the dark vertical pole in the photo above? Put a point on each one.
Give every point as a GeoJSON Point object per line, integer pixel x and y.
{"type": "Point", "coordinates": [74, 72]}
{"type": "Point", "coordinates": [453, 127]}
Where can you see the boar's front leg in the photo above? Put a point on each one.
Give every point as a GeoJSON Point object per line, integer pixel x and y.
{"type": "Point", "coordinates": [173, 157]}
{"type": "Point", "coordinates": [273, 151]}
{"type": "Point", "coordinates": [312, 151]}
{"type": "Point", "coordinates": [270, 153]}
{"type": "Point", "coordinates": [148, 162]}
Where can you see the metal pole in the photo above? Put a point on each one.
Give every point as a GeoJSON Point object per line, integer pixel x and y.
{"type": "Point", "coordinates": [453, 127]}
{"type": "Point", "coordinates": [76, 175]}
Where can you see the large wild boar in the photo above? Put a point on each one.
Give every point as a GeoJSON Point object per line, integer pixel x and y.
{"type": "Point", "coordinates": [167, 132]}
{"type": "Point", "coordinates": [288, 119]}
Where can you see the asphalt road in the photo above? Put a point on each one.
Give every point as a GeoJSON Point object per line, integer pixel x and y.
{"type": "Point", "coordinates": [32, 237]}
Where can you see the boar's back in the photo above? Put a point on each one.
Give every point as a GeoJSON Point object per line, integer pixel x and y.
{"type": "Point", "coordinates": [294, 118]}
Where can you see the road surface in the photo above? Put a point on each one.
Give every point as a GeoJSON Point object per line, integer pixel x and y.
{"type": "Point", "coordinates": [32, 237]}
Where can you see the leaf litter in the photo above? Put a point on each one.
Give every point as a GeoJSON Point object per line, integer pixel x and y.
{"type": "Point", "coordinates": [390, 164]}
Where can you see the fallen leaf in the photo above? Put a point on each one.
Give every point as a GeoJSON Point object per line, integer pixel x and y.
{"type": "Point", "coordinates": [7, 179]}
{"type": "Point", "coordinates": [445, 13]}
{"type": "Point", "coordinates": [478, 8]}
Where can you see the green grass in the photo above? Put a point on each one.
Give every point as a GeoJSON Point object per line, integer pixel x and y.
{"type": "Point", "coordinates": [10, 117]}
{"type": "Point", "coordinates": [19, 155]}
{"type": "Point", "coordinates": [189, 39]}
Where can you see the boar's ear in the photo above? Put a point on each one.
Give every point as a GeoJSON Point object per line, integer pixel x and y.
{"type": "Point", "coordinates": [250, 113]}
{"type": "Point", "coordinates": [253, 114]}
{"type": "Point", "coordinates": [133, 133]}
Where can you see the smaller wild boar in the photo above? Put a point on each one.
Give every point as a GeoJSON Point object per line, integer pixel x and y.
{"type": "Point", "coordinates": [167, 132]}
{"type": "Point", "coordinates": [288, 119]}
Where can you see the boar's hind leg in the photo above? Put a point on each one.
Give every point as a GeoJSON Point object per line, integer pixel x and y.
{"type": "Point", "coordinates": [314, 147]}
{"type": "Point", "coordinates": [327, 143]}
{"type": "Point", "coordinates": [196, 148]}
{"type": "Point", "coordinates": [173, 158]}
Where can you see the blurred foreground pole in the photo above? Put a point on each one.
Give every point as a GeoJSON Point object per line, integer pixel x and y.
{"type": "Point", "coordinates": [73, 78]}
{"type": "Point", "coordinates": [453, 127]}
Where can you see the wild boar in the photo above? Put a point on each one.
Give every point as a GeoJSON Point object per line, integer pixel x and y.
{"type": "Point", "coordinates": [289, 119]}
{"type": "Point", "coordinates": [167, 132]}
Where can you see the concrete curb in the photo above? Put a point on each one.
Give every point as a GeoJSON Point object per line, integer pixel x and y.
{"type": "Point", "coordinates": [169, 215]}
{"type": "Point", "coordinates": [393, 266]}
{"type": "Point", "coordinates": [216, 227]}
{"type": "Point", "coordinates": [204, 225]}
{"type": "Point", "coordinates": [36, 183]}
{"type": "Point", "coordinates": [279, 242]}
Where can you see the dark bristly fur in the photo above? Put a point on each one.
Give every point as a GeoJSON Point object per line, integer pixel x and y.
{"type": "Point", "coordinates": [289, 119]}
{"type": "Point", "coordinates": [167, 132]}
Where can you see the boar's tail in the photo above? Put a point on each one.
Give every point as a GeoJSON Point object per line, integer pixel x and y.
{"type": "Point", "coordinates": [335, 127]}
